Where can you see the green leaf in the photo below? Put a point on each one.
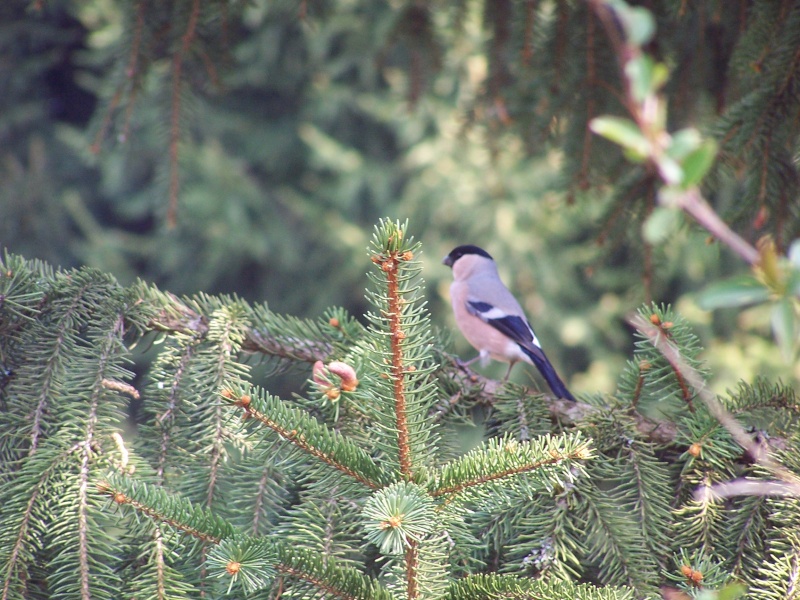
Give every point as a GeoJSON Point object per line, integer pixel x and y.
{"type": "Point", "coordinates": [683, 142]}
{"type": "Point", "coordinates": [784, 327]}
{"type": "Point", "coordinates": [623, 132]}
{"type": "Point", "coordinates": [670, 171]}
{"type": "Point", "coordinates": [697, 163]}
{"type": "Point", "coordinates": [738, 291]}
{"type": "Point", "coordinates": [732, 591]}
{"type": "Point", "coordinates": [638, 22]}
{"type": "Point", "coordinates": [661, 224]}
{"type": "Point", "coordinates": [794, 254]}
{"type": "Point", "coordinates": [646, 76]}
{"type": "Point", "coordinates": [640, 25]}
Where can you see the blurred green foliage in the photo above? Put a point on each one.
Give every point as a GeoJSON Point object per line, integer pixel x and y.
{"type": "Point", "coordinates": [298, 124]}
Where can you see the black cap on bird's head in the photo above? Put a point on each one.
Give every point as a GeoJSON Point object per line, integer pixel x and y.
{"type": "Point", "coordinates": [460, 251]}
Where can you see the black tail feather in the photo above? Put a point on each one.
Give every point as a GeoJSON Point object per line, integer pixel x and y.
{"type": "Point", "coordinates": [549, 373]}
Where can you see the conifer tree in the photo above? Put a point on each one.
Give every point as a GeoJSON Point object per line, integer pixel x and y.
{"type": "Point", "coordinates": [359, 488]}
{"type": "Point", "coordinates": [363, 486]}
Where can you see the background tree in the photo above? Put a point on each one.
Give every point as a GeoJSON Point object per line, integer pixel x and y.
{"type": "Point", "coordinates": [275, 125]}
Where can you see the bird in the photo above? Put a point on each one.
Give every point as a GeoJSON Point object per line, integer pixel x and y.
{"type": "Point", "coordinates": [491, 319]}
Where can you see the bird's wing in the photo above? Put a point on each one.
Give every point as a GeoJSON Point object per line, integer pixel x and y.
{"type": "Point", "coordinates": [518, 329]}
{"type": "Point", "coordinates": [514, 327]}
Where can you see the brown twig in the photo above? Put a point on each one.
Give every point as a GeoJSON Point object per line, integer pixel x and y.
{"type": "Point", "coordinates": [390, 266]}
{"type": "Point", "coordinates": [526, 54]}
{"type": "Point", "coordinates": [175, 130]}
{"type": "Point", "coordinates": [120, 498]}
{"type": "Point", "coordinates": [591, 76]}
{"type": "Point", "coordinates": [690, 201]}
{"type": "Point", "coordinates": [485, 391]}
{"type": "Point", "coordinates": [130, 74]}
{"type": "Point", "coordinates": [298, 439]}
{"type": "Point", "coordinates": [695, 380]}
{"type": "Point", "coordinates": [693, 203]}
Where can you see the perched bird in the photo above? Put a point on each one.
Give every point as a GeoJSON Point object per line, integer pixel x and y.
{"type": "Point", "coordinates": [491, 318]}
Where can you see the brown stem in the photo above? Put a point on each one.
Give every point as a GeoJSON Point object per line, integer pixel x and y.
{"type": "Point", "coordinates": [130, 73]}
{"type": "Point", "coordinates": [692, 202]}
{"type": "Point", "coordinates": [637, 392]}
{"type": "Point", "coordinates": [298, 439]}
{"type": "Point", "coordinates": [175, 130]}
{"type": "Point", "coordinates": [390, 266]}
{"type": "Point", "coordinates": [695, 380]}
{"type": "Point", "coordinates": [527, 38]}
{"type": "Point", "coordinates": [151, 512]}
{"type": "Point", "coordinates": [412, 552]}
{"type": "Point", "coordinates": [591, 76]}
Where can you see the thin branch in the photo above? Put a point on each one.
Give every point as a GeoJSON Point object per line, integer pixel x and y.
{"type": "Point", "coordinates": [174, 130]}
{"type": "Point", "coordinates": [748, 487]}
{"type": "Point", "coordinates": [485, 391]}
{"type": "Point", "coordinates": [51, 370]}
{"type": "Point", "coordinates": [298, 439]}
{"type": "Point", "coordinates": [591, 77]}
{"type": "Point", "coordinates": [120, 498]}
{"type": "Point", "coordinates": [692, 202]}
{"type": "Point", "coordinates": [526, 54]}
{"type": "Point", "coordinates": [398, 370]}
{"type": "Point", "coordinates": [130, 72]}
{"type": "Point", "coordinates": [412, 560]}
{"type": "Point", "coordinates": [303, 350]}
{"type": "Point", "coordinates": [179, 318]}
{"type": "Point", "coordinates": [696, 381]}
{"type": "Point", "coordinates": [320, 583]}
{"type": "Point", "coordinates": [480, 480]}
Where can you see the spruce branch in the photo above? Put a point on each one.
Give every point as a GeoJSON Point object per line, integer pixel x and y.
{"type": "Point", "coordinates": [695, 381]}
{"type": "Point", "coordinates": [157, 504]}
{"type": "Point", "coordinates": [65, 337]}
{"type": "Point", "coordinates": [399, 388]}
{"type": "Point", "coordinates": [614, 542]}
{"type": "Point", "coordinates": [487, 391]}
{"type": "Point", "coordinates": [21, 549]}
{"type": "Point", "coordinates": [271, 335]}
{"type": "Point", "coordinates": [505, 458]}
{"type": "Point", "coordinates": [298, 428]}
{"type": "Point", "coordinates": [511, 586]}
{"type": "Point", "coordinates": [328, 576]}
{"type": "Point", "coordinates": [567, 524]}
{"type": "Point", "coordinates": [131, 76]}
{"type": "Point", "coordinates": [390, 262]}
{"type": "Point", "coordinates": [411, 395]}
{"type": "Point", "coordinates": [179, 358]}
{"type": "Point", "coordinates": [109, 346]}
{"type": "Point", "coordinates": [175, 127]}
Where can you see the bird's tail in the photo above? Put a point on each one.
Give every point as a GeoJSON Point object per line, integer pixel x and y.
{"type": "Point", "coordinates": [550, 375]}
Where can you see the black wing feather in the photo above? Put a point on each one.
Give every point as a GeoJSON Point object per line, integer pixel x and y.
{"type": "Point", "coordinates": [519, 330]}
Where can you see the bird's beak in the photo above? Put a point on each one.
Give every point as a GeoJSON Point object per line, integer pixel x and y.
{"type": "Point", "coordinates": [448, 260]}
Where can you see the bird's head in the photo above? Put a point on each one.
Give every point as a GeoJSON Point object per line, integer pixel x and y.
{"type": "Point", "coordinates": [469, 260]}
{"type": "Point", "coordinates": [462, 251]}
